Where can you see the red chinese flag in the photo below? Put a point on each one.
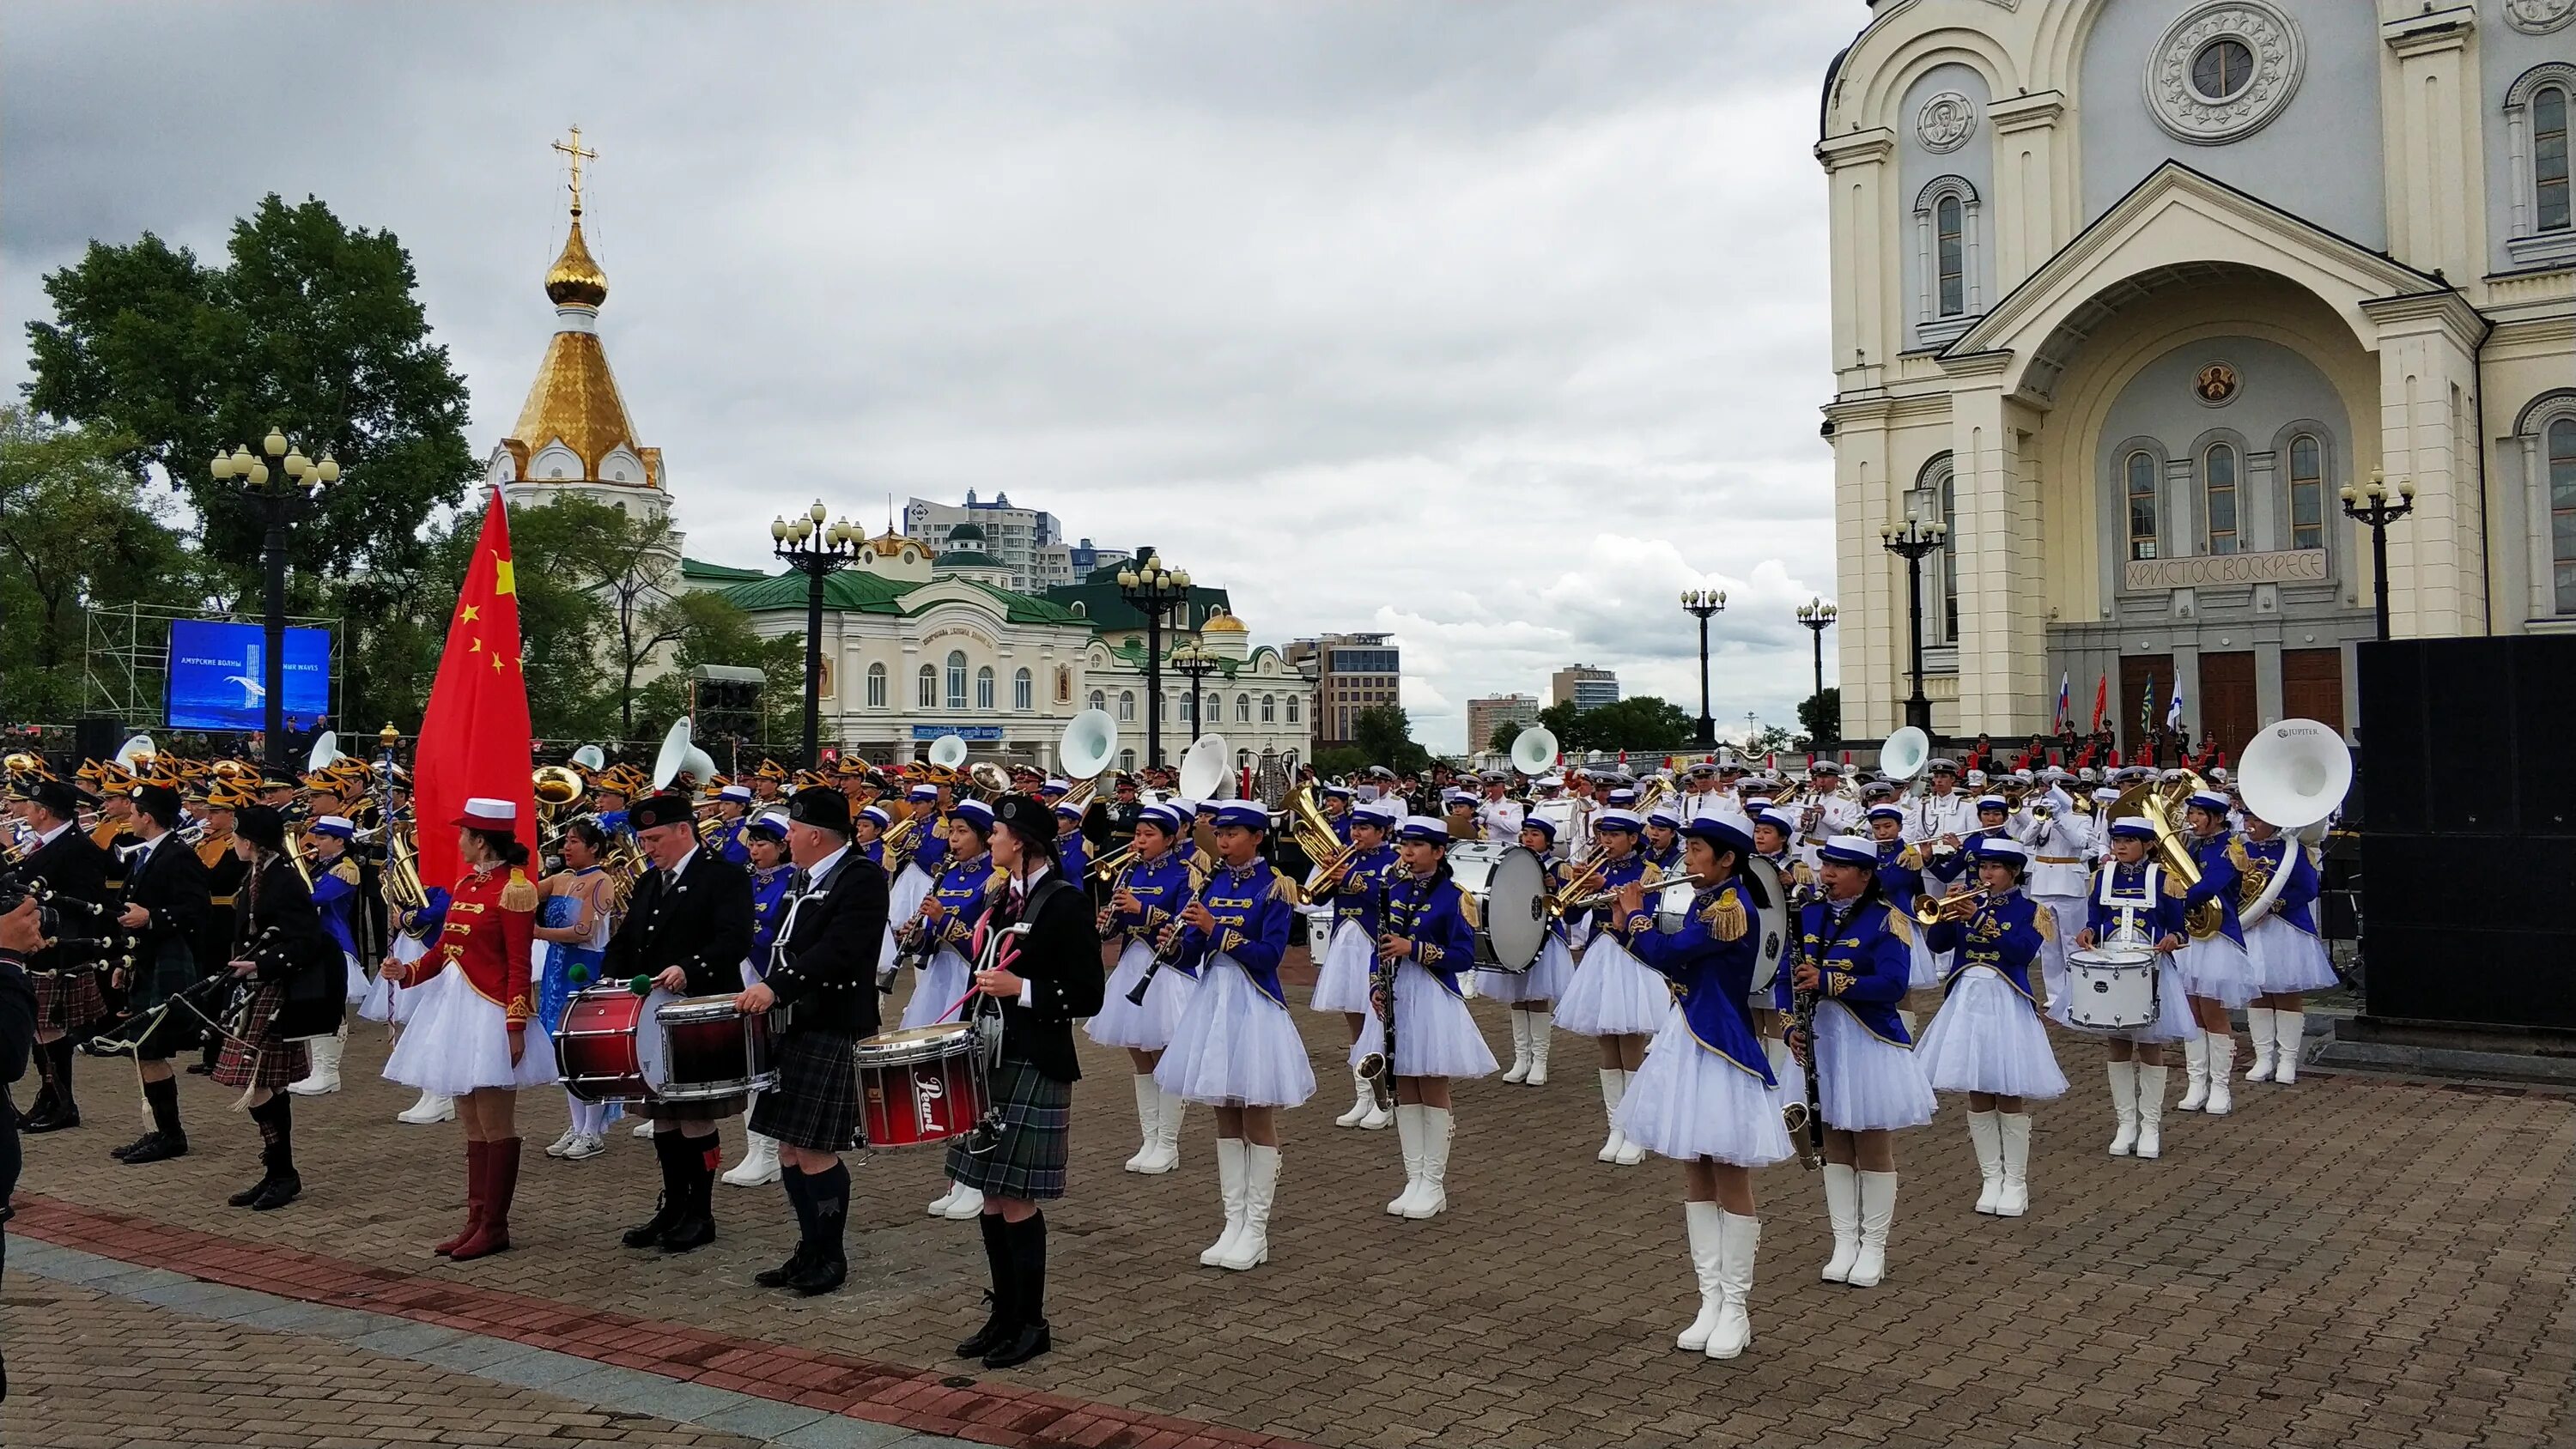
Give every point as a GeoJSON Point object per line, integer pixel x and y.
{"type": "Point", "coordinates": [474, 735]}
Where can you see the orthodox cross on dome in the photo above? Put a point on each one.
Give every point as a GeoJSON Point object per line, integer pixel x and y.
{"type": "Point", "coordinates": [573, 149]}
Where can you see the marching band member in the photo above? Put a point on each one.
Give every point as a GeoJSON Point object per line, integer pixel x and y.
{"type": "Point", "coordinates": [764, 838]}
{"type": "Point", "coordinates": [575, 911]}
{"type": "Point", "coordinates": [819, 982]}
{"type": "Point", "coordinates": [224, 872]}
{"type": "Point", "coordinates": [1342, 977]}
{"type": "Point", "coordinates": [2289, 959]}
{"type": "Point", "coordinates": [1236, 1047]}
{"type": "Point", "coordinates": [2059, 845]}
{"type": "Point", "coordinates": [948, 917]}
{"type": "Point", "coordinates": [1529, 996]}
{"type": "Point", "coordinates": [2216, 970]}
{"type": "Point", "coordinates": [1613, 996]}
{"type": "Point", "coordinates": [1073, 850]}
{"type": "Point", "coordinates": [688, 927]}
{"type": "Point", "coordinates": [468, 1037]}
{"type": "Point", "coordinates": [341, 907]}
{"type": "Point", "coordinates": [1424, 941]}
{"type": "Point", "coordinates": [1498, 815]}
{"type": "Point", "coordinates": [1150, 892]}
{"type": "Point", "coordinates": [163, 906]}
{"type": "Point", "coordinates": [297, 986]}
{"type": "Point", "coordinates": [2133, 900]}
{"type": "Point", "coordinates": [1900, 879]}
{"type": "Point", "coordinates": [1774, 832]}
{"type": "Point", "coordinates": [1987, 1040]}
{"type": "Point", "coordinates": [1943, 814]}
{"type": "Point", "coordinates": [733, 812]}
{"type": "Point", "coordinates": [1705, 1096]}
{"type": "Point", "coordinates": [1857, 953]}
{"type": "Point", "coordinates": [1826, 813]}
{"type": "Point", "coordinates": [1044, 975]}
{"type": "Point", "coordinates": [1663, 843]}
{"type": "Point", "coordinates": [68, 1001]}
{"type": "Point", "coordinates": [867, 833]}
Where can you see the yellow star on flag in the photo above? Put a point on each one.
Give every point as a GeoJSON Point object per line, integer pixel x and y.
{"type": "Point", "coordinates": [472, 613]}
{"type": "Point", "coordinates": [505, 580]}
{"type": "Point", "coordinates": [496, 662]}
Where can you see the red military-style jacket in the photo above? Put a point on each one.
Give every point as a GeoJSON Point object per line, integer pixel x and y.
{"type": "Point", "coordinates": [491, 918]}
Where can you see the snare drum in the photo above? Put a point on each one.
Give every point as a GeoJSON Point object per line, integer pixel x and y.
{"type": "Point", "coordinates": [605, 1051]}
{"type": "Point", "coordinates": [1319, 930]}
{"type": "Point", "coordinates": [925, 1084]}
{"type": "Point", "coordinates": [710, 1050]}
{"type": "Point", "coordinates": [2112, 988]}
{"type": "Point", "coordinates": [1506, 900]}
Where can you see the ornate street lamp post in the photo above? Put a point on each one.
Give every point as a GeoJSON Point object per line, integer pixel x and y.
{"type": "Point", "coordinates": [279, 491]}
{"type": "Point", "coordinates": [1911, 542]}
{"type": "Point", "coordinates": [1818, 616]}
{"type": "Point", "coordinates": [817, 552]}
{"type": "Point", "coordinates": [1154, 591]}
{"type": "Point", "coordinates": [1699, 604]}
{"type": "Point", "coordinates": [1195, 663]}
{"type": "Point", "coordinates": [2371, 505]}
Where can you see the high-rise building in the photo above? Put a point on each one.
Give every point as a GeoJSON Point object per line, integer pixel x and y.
{"type": "Point", "coordinates": [1584, 686]}
{"type": "Point", "coordinates": [1352, 673]}
{"type": "Point", "coordinates": [1484, 716]}
{"type": "Point", "coordinates": [1027, 541]}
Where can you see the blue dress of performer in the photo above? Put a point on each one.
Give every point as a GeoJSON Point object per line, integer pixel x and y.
{"type": "Point", "coordinates": [1532, 994]}
{"type": "Point", "coordinates": [1857, 952]}
{"type": "Point", "coordinates": [911, 885]}
{"type": "Point", "coordinates": [2289, 956]}
{"type": "Point", "coordinates": [1987, 1039]}
{"type": "Point", "coordinates": [1426, 936]}
{"type": "Point", "coordinates": [337, 902]}
{"type": "Point", "coordinates": [954, 906]}
{"type": "Point", "coordinates": [2215, 968]}
{"type": "Point", "coordinates": [1150, 893]}
{"type": "Point", "coordinates": [1613, 996]}
{"type": "Point", "coordinates": [1706, 1096]}
{"type": "Point", "coordinates": [1236, 1047]}
{"type": "Point", "coordinates": [1904, 878]}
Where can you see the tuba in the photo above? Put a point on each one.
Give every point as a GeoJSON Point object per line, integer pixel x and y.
{"type": "Point", "coordinates": [2292, 775]}
{"type": "Point", "coordinates": [1534, 750]}
{"type": "Point", "coordinates": [948, 751]}
{"type": "Point", "coordinates": [1083, 752]}
{"type": "Point", "coordinates": [1905, 754]}
{"type": "Point", "coordinates": [2173, 852]}
{"type": "Point", "coordinates": [680, 756]}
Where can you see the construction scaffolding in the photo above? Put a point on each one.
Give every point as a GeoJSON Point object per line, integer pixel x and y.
{"type": "Point", "coordinates": [126, 657]}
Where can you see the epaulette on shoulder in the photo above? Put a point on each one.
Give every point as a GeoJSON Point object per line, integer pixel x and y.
{"type": "Point", "coordinates": [2236, 855]}
{"type": "Point", "coordinates": [1284, 889]}
{"type": "Point", "coordinates": [2174, 887]}
{"type": "Point", "coordinates": [2046, 920]}
{"type": "Point", "coordinates": [519, 894]}
{"type": "Point", "coordinates": [1901, 926]}
{"type": "Point", "coordinates": [1725, 916]}
{"type": "Point", "coordinates": [1911, 857]}
{"type": "Point", "coordinates": [346, 870]}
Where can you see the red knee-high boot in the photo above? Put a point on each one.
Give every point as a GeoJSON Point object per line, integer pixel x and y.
{"type": "Point", "coordinates": [476, 1190]}
{"type": "Point", "coordinates": [500, 1184]}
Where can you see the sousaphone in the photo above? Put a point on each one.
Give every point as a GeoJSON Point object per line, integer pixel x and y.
{"type": "Point", "coordinates": [2294, 775]}
{"type": "Point", "coordinates": [680, 756]}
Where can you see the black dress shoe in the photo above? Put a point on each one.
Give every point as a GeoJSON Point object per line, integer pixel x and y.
{"type": "Point", "coordinates": [785, 1273]}
{"type": "Point", "coordinates": [57, 1117]}
{"type": "Point", "coordinates": [997, 1330]}
{"type": "Point", "coordinates": [130, 1148]}
{"type": "Point", "coordinates": [689, 1234]}
{"type": "Point", "coordinates": [665, 1213]}
{"type": "Point", "coordinates": [1027, 1344]}
{"type": "Point", "coordinates": [821, 1275]}
{"type": "Point", "coordinates": [161, 1147]}
{"type": "Point", "coordinates": [279, 1191]}
{"type": "Point", "coordinates": [250, 1195]}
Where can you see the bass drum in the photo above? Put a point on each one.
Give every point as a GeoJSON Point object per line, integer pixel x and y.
{"type": "Point", "coordinates": [1506, 891]}
{"type": "Point", "coordinates": [1770, 924]}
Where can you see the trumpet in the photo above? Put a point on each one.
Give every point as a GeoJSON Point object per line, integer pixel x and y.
{"type": "Point", "coordinates": [1602, 898]}
{"type": "Point", "coordinates": [1932, 912]}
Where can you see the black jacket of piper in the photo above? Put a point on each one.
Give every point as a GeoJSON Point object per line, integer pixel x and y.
{"type": "Point", "coordinates": [73, 867]}
{"type": "Point", "coordinates": [701, 923]}
{"type": "Point", "coordinates": [170, 884]}
{"type": "Point", "coordinates": [826, 966]}
{"type": "Point", "coordinates": [1060, 958]}
{"type": "Point", "coordinates": [277, 928]}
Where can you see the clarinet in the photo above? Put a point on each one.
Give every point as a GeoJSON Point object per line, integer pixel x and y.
{"type": "Point", "coordinates": [1802, 1029]}
{"type": "Point", "coordinates": [1170, 949]}
{"type": "Point", "coordinates": [1382, 977]}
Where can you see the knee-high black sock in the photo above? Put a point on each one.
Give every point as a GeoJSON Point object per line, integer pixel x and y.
{"type": "Point", "coordinates": [1028, 1268]}
{"type": "Point", "coordinates": [830, 1191]}
{"type": "Point", "coordinates": [276, 1119]}
{"type": "Point", "coordinates": [997, 1260]}
{"type": "Point", "coordinates": [163, 1097]}
{"type": "Point", "coordinates": [800, 1197]}
{"type": "Point", "coordinates": [58, 1052]}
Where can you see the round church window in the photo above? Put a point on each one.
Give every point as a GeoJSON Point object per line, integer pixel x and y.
{"type": "Point", "coordinates": [2223, 68]}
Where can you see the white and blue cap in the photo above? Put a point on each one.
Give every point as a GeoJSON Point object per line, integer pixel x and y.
{"type": "Point", "coordinates": [1428, 829]}
{"type": "Point", "coordinates": [1336, 792]}
{"type": "Point", "coordinates": [1720, 830]}
{"type": "Point", "coordinates": [1069, 809]}
{"type": "Point", "coordinates": [922, 792]}
{"type": "Point", "coordinates": [2210, 800]}
{"type": "Point", "coordinates": [739, 794]}
{"type": "Point", "coordinates": [1053, 788]}
{"type": "Point", "coordinates": [1850, 850]}
{"type": "Point", "coordinates": [2105, 795]}
{"type": "Point", "coordinates": [977, 814]}
{"type": "Point", "coordinates": [1623, 797]}
{"type": "Point", "coordinates": [1777, 819]}
{"type": "Point", "coordinates": [1240, 813]}
{"type": "Point", "coordinates": [769, 825]}
{"type": "Point", "coordinates": [1381, 813]}
{"type": "Point", "coordinates": [1993, 802]}
{"type": "Point", "coordinates": [1618, 820]}
{"type": "Point", "coordinates": [2133, 827]}
{"type": "Point", "coordinates": [2010, 852]}
{"type": "Point", "coordinates": [336, 826]}
{"type": "Point", "coordinates": [1539, 823]}
{"type": "Point", "coordinates": [1208, 808]}
{"type": "Point", "coordinates": [1886, 812]}
{"type": "Point", "coordinates": [882, 819]}
{"type": "Point", "coordinates": [1161, 817]}
{"type": "Point", "coordinates": [1665, 816]}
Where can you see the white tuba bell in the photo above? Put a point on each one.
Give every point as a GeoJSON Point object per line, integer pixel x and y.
{"type": "Point", "coordinates": [948, 751]}
{"type": "Point", "coordinates": [1088, 744]}
{"type": "Point", "coordinates": [2294, 775]}
{"type": "Point", "coordinates": [1905, 754]}
{"type": "Point", "coordinates": [135, 751]}
{"type": "Point", "coordinates": [325, 752]}
{"type": "Point", "coordinates": [1534, 750]}
{"type": "Point", "coordinates": [681, 756]}
{"type": "Point", "coordinates": [1206, 771]}
{"type": "Point", "coordinates": [591, 758]}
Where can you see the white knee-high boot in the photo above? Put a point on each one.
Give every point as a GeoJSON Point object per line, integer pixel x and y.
{"type": "Point", "coordinates": [2258, 1030]}
{"type": "Point", "coordinates": [2124, 1105]}
{"type": "Point", "coordinates": [1842, 1210]}
{"type": "Point", "coordinates": [2290, 1037]}
{"type": "Point", "coordinates": [1229, 1180]}
{"type": "Point", "coordinates": [1149, 1112]}
{"type": "Point", "coordinates": [1614, 1085]}
{"type": "Point", "coordinates": [759, 1165]}
{"type": "Point", "coordinates": [1166, 1144]}
{"type": "Point", "coordinates": [325, 1074]}
{"type": "Point", "coordinates": [1431, 1197]}
{"type": "Point", "coordinates": [1700, 1221]}
{"type": "Point", "coordinates": [2195, 1066]}
{"type": "Point", "coordinates": [1542, 1029]}
{"type": "Point", "coordinates": [1737, 1237]}
{"type": "Point", "coordinates": [1408, 1132]}
{"type": "Point", "coordinates": [2222, 1063]}
{"type": "Point", "coordinates": [2151, 1110]}
{"type": "Point", "coordinates": [1877, 1211]}
{"type": "Point", "coordinates": [2016, 1145]}
{"type": "Point", "coordinates": [1987, 1138]}
{"type": "Point", "coordinates": [1518, 1071]}
{"type": "Point", "coordinates": [1260, 1189]}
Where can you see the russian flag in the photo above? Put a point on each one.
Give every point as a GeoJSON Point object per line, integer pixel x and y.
{"type": "Point", "coordinates": [2064, 704]}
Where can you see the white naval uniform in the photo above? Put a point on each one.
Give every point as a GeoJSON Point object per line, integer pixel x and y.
{"type": "Point", "coordinates": [1934, 816]}
{"type": "Point", "coordinates": [1501, 820]}
{"type": "Point", "coordinates": [2060, 875]}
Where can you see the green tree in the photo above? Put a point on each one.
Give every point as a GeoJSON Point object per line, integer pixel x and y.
{"type": "Point", "coordinates": [1565, 721]}
{"type": "Point", "coordinates": [710, 629]}
{"type": "Point", "coordinates": [627, 565]}
{"type": "Point", "coordinates": [76, 529]}
{"type": "Point", "coordinates": [311, 326]}
{"type": "Point", "coordinates": [1500, 742]}
{"type": "Point", "coordinates": [1384, 736]}
{"type": "Point", "coordinates": [1821, 715]}
{"type": "Point", "coordinates": [1639, 722]}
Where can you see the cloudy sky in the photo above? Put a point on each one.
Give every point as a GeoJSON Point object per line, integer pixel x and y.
{"type": "Point", "coordinates": [1494, 326]}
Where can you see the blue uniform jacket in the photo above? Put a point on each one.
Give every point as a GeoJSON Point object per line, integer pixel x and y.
{"type": "Point", "coordinates": [1710, 963]}
{"type": "Point", "coordinates": [768, 890]}
{"type": "Point", "coordinates": [1076, 862]}
{"type": "Point", "coordinates": [964, 889]}
{"type": "Point", "coordinates": [2297, 902]}
{"type": "Point", "coordinates": [1431, 912]}
{"type": "Point", "coordinates": [2220, 880]}
{"type": "Point", "coordinates": [873, 852]}
{"type": "Point", "coordinates": [2004, 935]}
{"type": "Point", "coordinates": [1900, 872]}
{"type": "Point", "coordinates": [727, 841]}
{"type": "Point", "coordinates": [932, 857]}
{"type": "Point", "coordinates": [1162, 886]}
{"type": "Point", "coordinates": [1668, 860]}
{"type": "Point", "coordinates": [335, 901]}
{"type": "Point", "coordinates": [1617, 873]}
{"type": "Point", "coordinates": [2163, 913]}
{"type": "Point", "coordinates": [1866, 965]}
{"type": "Point", "coordinates": [1355, 897]}
{"type": "Point", "coordinates": [1254, 917]}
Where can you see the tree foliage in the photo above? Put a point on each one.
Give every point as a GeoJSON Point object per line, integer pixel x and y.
{"type": "Point", "coordinates": [310, 326]}
{"type": "Point", "coordinates": [1384, 736]}
{"type": "Point", "coordinates": [1500, 742]}
{"type": "Point", "coordinates": [1821, 715]}
{"type": "Point", "coordinates": [1640, 722]}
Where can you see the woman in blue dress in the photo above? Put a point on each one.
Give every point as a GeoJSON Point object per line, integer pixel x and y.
{"type": "Point", "coordinates": [1150, 892]}
{"type": "Point", "coordinates": [1987, 1039]}
{"type": "Point", "coordinates": [1424, 943]}
{"type": "Point", "coordinates": [2289, 957]}
{"type": "Point", "coordinates": [575, 914]}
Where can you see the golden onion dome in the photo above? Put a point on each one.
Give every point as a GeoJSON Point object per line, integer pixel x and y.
{"type": "Point", "coordinates": [575, 280]}
{"type": "Point", "coordinates": [1220, 622]}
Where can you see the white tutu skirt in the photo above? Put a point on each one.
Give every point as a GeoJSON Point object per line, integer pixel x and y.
{"type": "Point", "coordinates": [1342, 977]}
{"type": "Point", "coordinates": [1988, 1038]}
{"type": "Point", "coordinates": [1544, 981]}
{"type": "Point", "coordinates": [2218, 968]}
{"type": "Point", "coordinates": [1864, 1082]}
{"type": "Point", "coordinates": [2068, 917]}
{"type": "Point", "coordinates": [1146, 1028]}
{"type": "Point", "coordinates": [1688, 1102]}
{"type": "Point", "coordinates": [904, 895]}
{"type": "Point", "coordinates": [2174, 1021]}
{"type": "Point", "coordinates": [1928, 965]}
{"type": "Point", "coordinates": [390, 1003]}
{"type": "Point", "coordinates": [2286, 958]}
{"type": "Point", "coordinates": [935, 992]}
{"type": "Point", "coordinates": [458, 1042]}
{"type": "Point", "coordinates": [1612, 994]}
{"type": "Point", "coordinates": [357, 985]}
{"type": "Point", "coordinates": [1435, 1034]}
{"type": "Point", "coordinates": [1235, 1045]}
{"type": "Point", "coordinates": [1784, 1069]}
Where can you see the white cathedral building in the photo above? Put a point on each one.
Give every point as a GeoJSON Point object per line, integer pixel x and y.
{"type": "Point", "coordinates": [2125, 292]}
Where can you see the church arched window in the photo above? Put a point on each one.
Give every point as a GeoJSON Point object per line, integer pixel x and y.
{"type": "Point", "coordinates": [2307, 491]}
{"type": "Point", "coordinates": [1946, 256]}
{"type": "Point", "coordinates": [876, 686]}
{"type": "Point", "coordinates": [2218, 497]}
{"type": "Point", "coordinates": [2536, 113]}
{"type": "Point", "coordinates": [956, 679]}
{"type": "Point", "coordinates": [2138, 483]}
{"type": "Point", "coordinates": [1126, 706]}
{"type": "Point", "coordinates": [926, 694]}
{"type": "Point", "coordinates": [984, 688]}
{"type": "Point", "coordinates": [1023, 688]}
{"type": "Point", "coordinates": [1099, 699]}
{"type": "Point", "coordinates": [1934, 499]}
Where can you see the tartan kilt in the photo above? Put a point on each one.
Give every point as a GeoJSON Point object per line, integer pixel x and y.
{"type": "Point", "coordinates": [1037, 1116]}
{"type": "Point", "coordinates": [266, 1059]}
{"type": "Point", "coordinates": [67, 1000]}
{"type": "Point", "coordinates": [816, 1102]}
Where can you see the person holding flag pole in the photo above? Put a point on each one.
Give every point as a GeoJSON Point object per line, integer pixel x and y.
{"type": "Point", "coordinates": [472, 1033]}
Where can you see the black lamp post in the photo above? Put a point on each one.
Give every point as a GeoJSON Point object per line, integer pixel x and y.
{"type": "Point", "coordinates": [1911, 542]}
{"type": "Point", "coordinates": [817, 552]}
{"type": "Point", "coordinates": [2371, 505]}
{"type": "Point", "coordinates": [279, 491]}
{"type": "Point", "coordinates": [1699, 604]}
{"type": "Point", "coordinates": [1818, 616]}
{"type": "Point", "coordinates": [1153, 591]}
{"type": "Point", "coordinates": [1196, 664]}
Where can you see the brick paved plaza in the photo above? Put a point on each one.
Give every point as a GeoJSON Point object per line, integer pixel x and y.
{"type": "Point", "coordinates": [2348, 1261]}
